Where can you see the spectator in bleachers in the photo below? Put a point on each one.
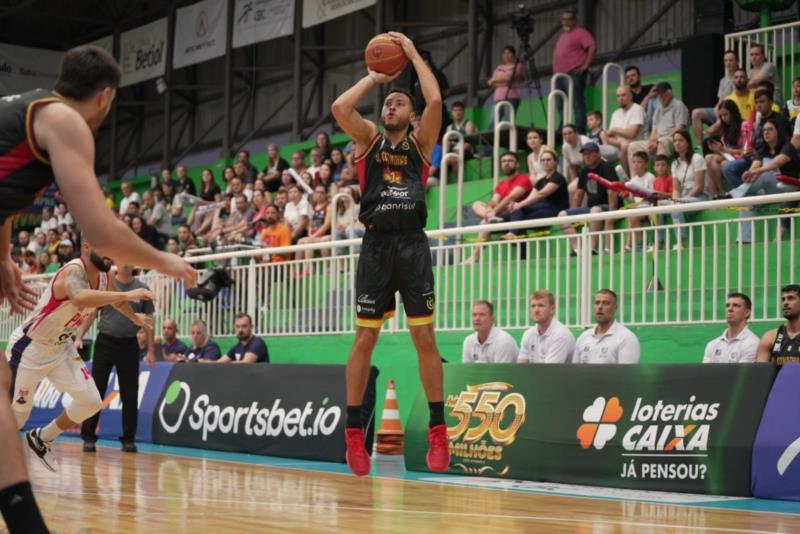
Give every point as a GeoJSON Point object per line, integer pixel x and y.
{"type": "Point", "coordinates": [62, 215]}
{"type": "Point", "coordinates": [319, 226]}
{"type": "Point", "coordinates": [609, 341]}
{"type": "Point", "coordinates": [325, 179]}
{"type": "Point", "coordinates": [308, 179]}
{"type": "Point", "coordinates": [298, 161]}
{"type": "Point", "coordinates": [248, 173]}
{"type": "Point", "coordinates": [793, 104]}
{"type": "Point", "coordinates": [203, 347]}
{"type": "Point", "coordinates": [145, 231]}
{"type": "Point", "coordinates": [156, 215]}
{"type": "Point", "coordinates": [726, 146]}
{"type": "Point", "coordinates": [761, 70]}
{"type": "Point", "coordinates": [49, 222]}
{"type": "Point", "coordinates": [662, 186]}
{"type": "Point", "coordinates": [42, 262]}
{"type": "Point", "coordinates": [338, 164]}
{"type": "Point", "coordinates": [275, 234]}
{"type": "Point", "coordinates": [171, 201]}
{"type": "Point", "coordinates": [172, 246]}
{"type": "Point", "coordinates": [228, 174]}
{"type": "Point", "coordinates": [184, 184]}
{"type": "Point", "coordinates": [209, 190]}
{"type": "Point", "coordinates": [236, 227]}
{"type": "Point", "coordinates": [506, 79]}
{"type": "Point", "coordinates": [53, 239]}
{"type": "Point", "coordinates": [548, 197]}
{"type": "Point", "coordinates": [128, 195]}
{"type": "Point", "coordinates": [141, 344]}
{"type": "Point", "coordinates": [323, 145]}
{"type": "Point", "coordinates": [38, 243]}
{"type": "Point", "coordinates": [275, 166]}
{"type": "Point", "coordinates": [186, 241]}
{"type": "Point", "coordinates": [316, 158]}
{"type": "Point", "coordinates": [689, 183]}
{"type": "Point", "coordinates": [488, 344]}
{"type": "Point", "coordinates": [571, 149]}
{"type": "Point", "coordinates": [109, 199]}
{"type": "Point", "coordinates": [23, 239]}
{"type": "Point", "coordinates": [65, 251]}
{"type": "Point", "coordinates": [573, 54]}
{"type": "Point", "coordinates": [672, 115]}
{"type": "Point", "coordinates": [133, 209]}
{"type": "Point", "coordinates": [737, 344]}
{"type": "Point", "coordinates": [598, 198]}
{"type": "Point", "coordinates": [166, 178]}
{"type": "Point", "coordinates": [627, 124]}
{"type": "Point", "coordinates": [348, 216]}
{"type": "Point", "coordinates": [168, 347]}
{"type": "Point", "coordinates": [249, 349]}
{"type": "Point", "coordinates": [436, 155]}
{"type": "Point", "coordinates": [642, 181]}
{"type": "Point", "coordinates": [461, 125]}
{"type": "Point", "coordinates": [733, 170]}
{"type": "Point", "coordinates": [641, 94]}
{"type": "Point", "coordinates": [349, 178]}
{"type": "Point", "coordinates": [535, 144]}
{"type": "Point", "coordinates": [238, 188]}
{"type": "Point", "coordinates": [702, 116]}
{"type": "Point", "coordinates": [29, 265]}
{"type": "Point", "coordinates": [513, 187]}
{"type": "Point", "coordinates": [281, 199]}
{"type": "Point", "coordinates": [777, 156]}
{"type": "Point", "coordinates": [548, 341]}
{"type": "Point", "coordinates": [594, 127]}
{"type": "Point", "coordinates": [261, 200]}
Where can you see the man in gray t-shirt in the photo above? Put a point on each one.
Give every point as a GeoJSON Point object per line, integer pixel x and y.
{"type": "Point", "coordinates": [116, 347]}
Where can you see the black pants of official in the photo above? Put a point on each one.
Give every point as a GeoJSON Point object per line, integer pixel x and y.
{"type": "Point", "coordinates": [122, 353]}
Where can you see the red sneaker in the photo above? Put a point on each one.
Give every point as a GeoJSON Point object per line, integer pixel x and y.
{"type": "Point", "coordinates": [438, 457]}
{"type": "Point", "coordinates": [357, 458]}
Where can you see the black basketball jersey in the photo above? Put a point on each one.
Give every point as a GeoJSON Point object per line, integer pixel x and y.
{"type": "Point", "coordinates": [785, 349]}
{"type": "Point", "coordinates": [392, 180]}
{"type": "Point", "coordinates": [24, 168]}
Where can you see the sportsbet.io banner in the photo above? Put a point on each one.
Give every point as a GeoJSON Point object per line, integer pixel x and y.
{"type": "Point", "coordinates": [296, 411]}
{"type": "Point", "coordinates": [683, 428]}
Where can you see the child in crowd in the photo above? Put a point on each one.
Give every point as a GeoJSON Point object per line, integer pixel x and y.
{"type": "Point", "coordinates": [662, 185]}
{"type": "Point", "coordinates": [594, 126]}
{"type": "Point", "coordinates": [641, 180]}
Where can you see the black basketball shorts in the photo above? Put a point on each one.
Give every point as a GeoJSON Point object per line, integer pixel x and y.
{"type": "Point", "coordinates": [391, 262]}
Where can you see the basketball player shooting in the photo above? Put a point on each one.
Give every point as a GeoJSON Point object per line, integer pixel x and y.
{"type": "Point", "coordinates": [395, 256]}
{"type": "Point", "coordinates": [48, 136]}
{"type": "Point", "coordinates": [42, 347]}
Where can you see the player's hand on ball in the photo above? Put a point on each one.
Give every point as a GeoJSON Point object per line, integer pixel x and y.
{"type": "Point", "coordinates": [381, 78]}
{"type": "Point", "coordinates": [405, 43]}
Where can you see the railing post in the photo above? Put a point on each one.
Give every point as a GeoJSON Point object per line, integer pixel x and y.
{"type": "Point", "coordinates": [606, 68]}
{"type": "Point", "coordinates": [585, 262]}
{"type": "Point", "coordinates": [498, 128]}
{"type": "Point", "coordinates": [252, 274]}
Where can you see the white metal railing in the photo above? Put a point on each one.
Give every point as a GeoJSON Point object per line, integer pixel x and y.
{"type": "Point", "coordinates": [351, 225]}
{"type": "Point", "coordinates": [780, 43]}
{"type": "Point", "coordinates": [448, 158]}
{"type": "Point", "coordinates": [499, 126]}
{"type": "Point", "coordinates": [566, 106]}
{"type": "Point", "coordinates": [607, 67]}
{"type": "Point", "coordinates": [665, 286]}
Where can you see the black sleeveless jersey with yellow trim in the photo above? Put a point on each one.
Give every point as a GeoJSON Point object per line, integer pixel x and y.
{"type": "Point", "coordinates": [25, 169]}
{"type": "Point", "coordinates": [785, 349]}
{"type": "Point", "coordinates": [392, 180]}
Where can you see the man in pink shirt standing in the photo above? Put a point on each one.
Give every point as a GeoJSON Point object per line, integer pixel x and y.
{"type": "Point", "coordinates": [573, 54]}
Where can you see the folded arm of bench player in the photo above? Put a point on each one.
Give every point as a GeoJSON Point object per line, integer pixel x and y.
{"type": "Point", "coordinates": [74, 285]}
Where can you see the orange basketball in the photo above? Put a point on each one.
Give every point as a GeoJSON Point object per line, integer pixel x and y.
{"type": "Point", "coordinates": [384, 55]}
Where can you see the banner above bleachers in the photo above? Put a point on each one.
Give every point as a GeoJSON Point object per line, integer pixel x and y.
{"type": "Point", "coordinates": [319, 11]}
{"type": "Point", "coordinates": [23, 68]}
{"type": "Point", "coordinates": [200, 32]}
{"type": "Point", "coordinates": [261, 20]}
{"type": "Point", "coordinates": [143, 52]}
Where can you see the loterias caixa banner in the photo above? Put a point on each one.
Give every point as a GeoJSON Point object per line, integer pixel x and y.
{"type": "Point", "coordinates": [685, 428]}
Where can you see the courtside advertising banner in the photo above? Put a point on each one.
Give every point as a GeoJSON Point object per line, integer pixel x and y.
{"type": "Point", "coordinates": [776, 466]}
{"type": "Point", "coordinates": [143, 52]}
{"type": "Point", "coordinates": [682, 428]}
{"type": "Point", "coordinates": [48, 403]}
{"type": "Point", "coordinates": [23, 68]}
{"type": "Point", "coordinates": [261, 20]}
{"type": "Point", "coordinates": [200, 32]}
{"type": "Point", "coordinates": [319, 11]}
{"type": "Point", "coordinates": [295, 411]}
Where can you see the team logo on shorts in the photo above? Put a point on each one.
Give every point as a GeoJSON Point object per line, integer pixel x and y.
{"type": "Point", "coordinates": [429, 303]}
{"type": "Point", "coordinates": [23, 392]}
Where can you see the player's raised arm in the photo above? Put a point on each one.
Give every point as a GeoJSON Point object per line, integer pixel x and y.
{"type": "Point", "coordinates": [344, 110]}
{"type": "Point", "coordinates": [431, 120]}
{"type": "Point", "coordinates": [67, 139]}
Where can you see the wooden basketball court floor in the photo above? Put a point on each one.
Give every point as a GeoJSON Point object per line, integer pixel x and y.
{"type": "Point", "coordinates": [168, 489]}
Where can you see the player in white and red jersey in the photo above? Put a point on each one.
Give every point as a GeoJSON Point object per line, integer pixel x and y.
{"type": "Point", "coordinates": [43, 346]}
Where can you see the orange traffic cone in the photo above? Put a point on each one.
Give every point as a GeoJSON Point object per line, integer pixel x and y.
{"type": "Point", "coordinates": [390, 434]}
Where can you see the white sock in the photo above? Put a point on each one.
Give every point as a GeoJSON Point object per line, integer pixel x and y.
{"type": "Point", "coordinates": [50, 432]}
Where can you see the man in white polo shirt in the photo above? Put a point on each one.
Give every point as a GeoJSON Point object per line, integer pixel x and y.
{"type": "Point", "coordinates": [737, 344]}
{"type": "Point", "coordinates": [549, 341]}
{"type": "Point", "coordinates": [609, 341]}
{"type": "Point", "coordinates": [488, 344]}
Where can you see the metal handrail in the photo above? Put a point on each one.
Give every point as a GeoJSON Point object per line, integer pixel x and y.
{"type": "Point", "coordinates": [351, 227]}
{"type": "Point", "coordinates": [606, 68]}
{"type": "Point", "coordinates": [551, 111]}
{"type": "Point", "coordinates": [498, 127]}
{"type": "Point", "coordinates": [447, 158]}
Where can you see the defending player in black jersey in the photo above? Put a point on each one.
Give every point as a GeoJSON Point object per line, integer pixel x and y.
{"type": "Point", "coordinates": [781, 345]}
{"type": "Point", "coordinates": [392, 170]}
{"type": "Point", "coordinates": [44, 137]}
